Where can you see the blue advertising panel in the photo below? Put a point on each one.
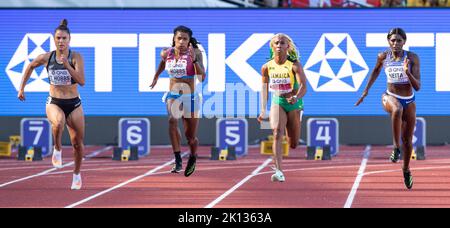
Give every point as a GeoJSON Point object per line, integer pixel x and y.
{"type": "Point", "coordinates": [232, 132]}
{"type": "Point", "coordinates": [121, 49]}
{"type": "Point", "coordinates": [420, 133]}
{"type": "Point", "coordinates": [323, 132]}
{"type": "Point", "coordinates": [135, 132]}
{"type": "Point", "coordinates": [36, 132]}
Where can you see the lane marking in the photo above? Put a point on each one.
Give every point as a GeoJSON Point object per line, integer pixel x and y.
{"type": "Point", "coordinates": [362, 168]}
{"type": "Point", "coordinates": [124, 183]}
{"type": "Point", "coordinates": [231, 190]}
{"type": "Point", "coordinates": [45, 172]}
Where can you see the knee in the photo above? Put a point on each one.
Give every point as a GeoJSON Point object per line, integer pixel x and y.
{"type": "Point", "coordinates": [407, 142]}
{"type": "Point", "coordinates": [397, 112]}
{"type": "Point", "coordinates": [78, 146]}
{"type": "Point", "coordinates": [277, 134]}
{"type": "Point", "coordinates": [192, 141]}
{"type": "Point", "coordinates": [57, 126]}
{"type": "Point", "coordinates": [173, 122]}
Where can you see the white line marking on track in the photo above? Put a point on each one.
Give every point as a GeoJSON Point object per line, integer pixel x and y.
{"type": "Point", "coordinates": [362, 168]}
{"type": "Point", "coordinates": [231, 190]}
{"type": "Point", "coordinates": [52, 169]}
{"type": "Point", "coordinates": [153, 171]}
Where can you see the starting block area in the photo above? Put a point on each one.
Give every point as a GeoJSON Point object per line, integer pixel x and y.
{"type": "Point", "coordinates": [318, 153]}
{"type": "Point", "coordinates": [127, 154]}
{"type": "Point", "coordinates": [7, 148]}
{"type": "Point", "coordinates": [223, 154]}
{"type": "Point", "coordinates": [29, 154]}
{"type": "Point", "coordinates": [266, 146]}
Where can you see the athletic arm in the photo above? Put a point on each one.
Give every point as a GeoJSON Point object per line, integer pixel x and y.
{"type": "Point", "coordinates": [161, 67]}
{"type": "Point", "coordinates": [37, 62]}
{"type": "Point", "coordinates": [373, 76]}
{"type": "Point", "coordinates": [264, 92]}
{"type": "Point", "coordinates": [199, 67]}
{"type": "Point", "coordinates": [301, 79]}
{"type": "Point", "coordinates": [77, 72]}
{"type": "Point", "coordinates": [413, 70]}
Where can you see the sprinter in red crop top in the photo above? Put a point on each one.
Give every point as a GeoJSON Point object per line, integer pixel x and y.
{"type": "Point", "coordinates": [184, 64]}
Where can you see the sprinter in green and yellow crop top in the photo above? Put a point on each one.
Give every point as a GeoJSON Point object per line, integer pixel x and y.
{"type": "Point", "coordinates": [283, 75]}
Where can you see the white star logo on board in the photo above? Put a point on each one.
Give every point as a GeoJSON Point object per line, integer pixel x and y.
{"type": "Point", "coordinates": [336, 65]}
{"type": "Point", "coordinates": [32, 45]}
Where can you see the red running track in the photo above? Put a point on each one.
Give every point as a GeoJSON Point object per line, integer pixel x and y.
{"type": "Point", "coordinates": [348, 180]}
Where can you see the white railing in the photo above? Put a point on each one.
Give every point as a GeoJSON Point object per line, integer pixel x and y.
{"type": "Point", "coordinates": [244, 3]}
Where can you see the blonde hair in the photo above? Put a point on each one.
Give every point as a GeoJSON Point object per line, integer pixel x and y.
{"type": "Point", "coordinates": [292, 51]}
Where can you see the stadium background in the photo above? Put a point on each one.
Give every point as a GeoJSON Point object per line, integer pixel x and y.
{"type": "Point", "coordinates": [367, 124]}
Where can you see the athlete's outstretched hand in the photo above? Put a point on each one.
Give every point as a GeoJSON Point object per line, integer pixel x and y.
{"type": "Point", "coordinates": [361, 99]}
{"type": "Point", "coordinates": [21, 95]}
{"type": "Point", "coordinates": [262, 117]}
{"type": "Point", "coordinates": [155, 80]}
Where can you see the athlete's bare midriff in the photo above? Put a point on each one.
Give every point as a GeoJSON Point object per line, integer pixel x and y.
{"type": "Point", "coordinates": [64, 92]}
{"type": "Point", "coordinates": [403, 90]}
{"type": "Point", "coordinates": [182, 86]}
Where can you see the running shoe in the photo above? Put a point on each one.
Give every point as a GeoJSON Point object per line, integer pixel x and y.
{"type": "Point", "coordinates": [395, 156]}
{"type": "Point", "coordinates": [190, 168]}
{"type": "Point", "coordinates": [278, 176]}
{"type": "Point", "coordinates": [76, 182]}
{"type": "Point", "coordinates": [177, 166]}
{"type": "Point", "coordinates": [408, 179]}
{"type": "Point", "coordinates": [57, 159]}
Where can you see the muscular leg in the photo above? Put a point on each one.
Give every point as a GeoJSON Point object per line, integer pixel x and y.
{"type": "Point", "coordinates": [409, 120]}
{"type": "Point", "coordinates": [395, 109]}
{"type": "Point", "coordinates": [278, 120]}
{"type": "Point", "coordinates": [76, 126]}
{"type": "Point", "coordinates": [190, 131]}
{"type": "Point", "coordinates": [293, 127]}
{"type": "Point", "coordinates": [174, 131]}
{"type": "Point", "coordinates": [57, 119]}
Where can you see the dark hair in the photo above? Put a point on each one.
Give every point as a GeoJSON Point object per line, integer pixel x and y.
{"type": "Point", "coordinates": [63, 26]}
{"type": "Point", "coordinates": [187, 30]}
{"type": "Point", "coordinates": [397, 31]}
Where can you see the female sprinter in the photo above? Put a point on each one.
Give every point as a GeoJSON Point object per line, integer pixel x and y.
{"type": "Point", "coordinates": [284, 76]}
{"type": "Point", "coordinates": [183, 62]}
{"type": "Point", "coordinates": [402, 69]}
{"type": "Point", "coordinates": [65, 72]}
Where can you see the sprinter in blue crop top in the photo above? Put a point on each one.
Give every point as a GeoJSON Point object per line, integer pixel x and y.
{"type": "Point", "coordinates": [402, 69]}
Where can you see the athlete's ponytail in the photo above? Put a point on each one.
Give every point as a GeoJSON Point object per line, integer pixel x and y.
{"type": "Point", "coordinates": [63, 26]}
{"type": "Point", "coordinates": [194, 42]}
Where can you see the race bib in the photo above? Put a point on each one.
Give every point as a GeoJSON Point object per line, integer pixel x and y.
{"type": "Point", "coordinates": [280, 85]}
{"type": "Point", "coordinates": [176, 69]}
{"type": "Point", "coordinates": [59, 77]}
{"type": "Point", "coordinates": [396, 74]}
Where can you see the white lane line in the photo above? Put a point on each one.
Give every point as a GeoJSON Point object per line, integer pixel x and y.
{"type": "Point", "coordinates": [52, 169]}
{"type": "Point", "coordinates": [362, 168]}
{"type": "Point", "coordinates": [153, 171]}
{"type": "Point", "coordinates": [231, 190]}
